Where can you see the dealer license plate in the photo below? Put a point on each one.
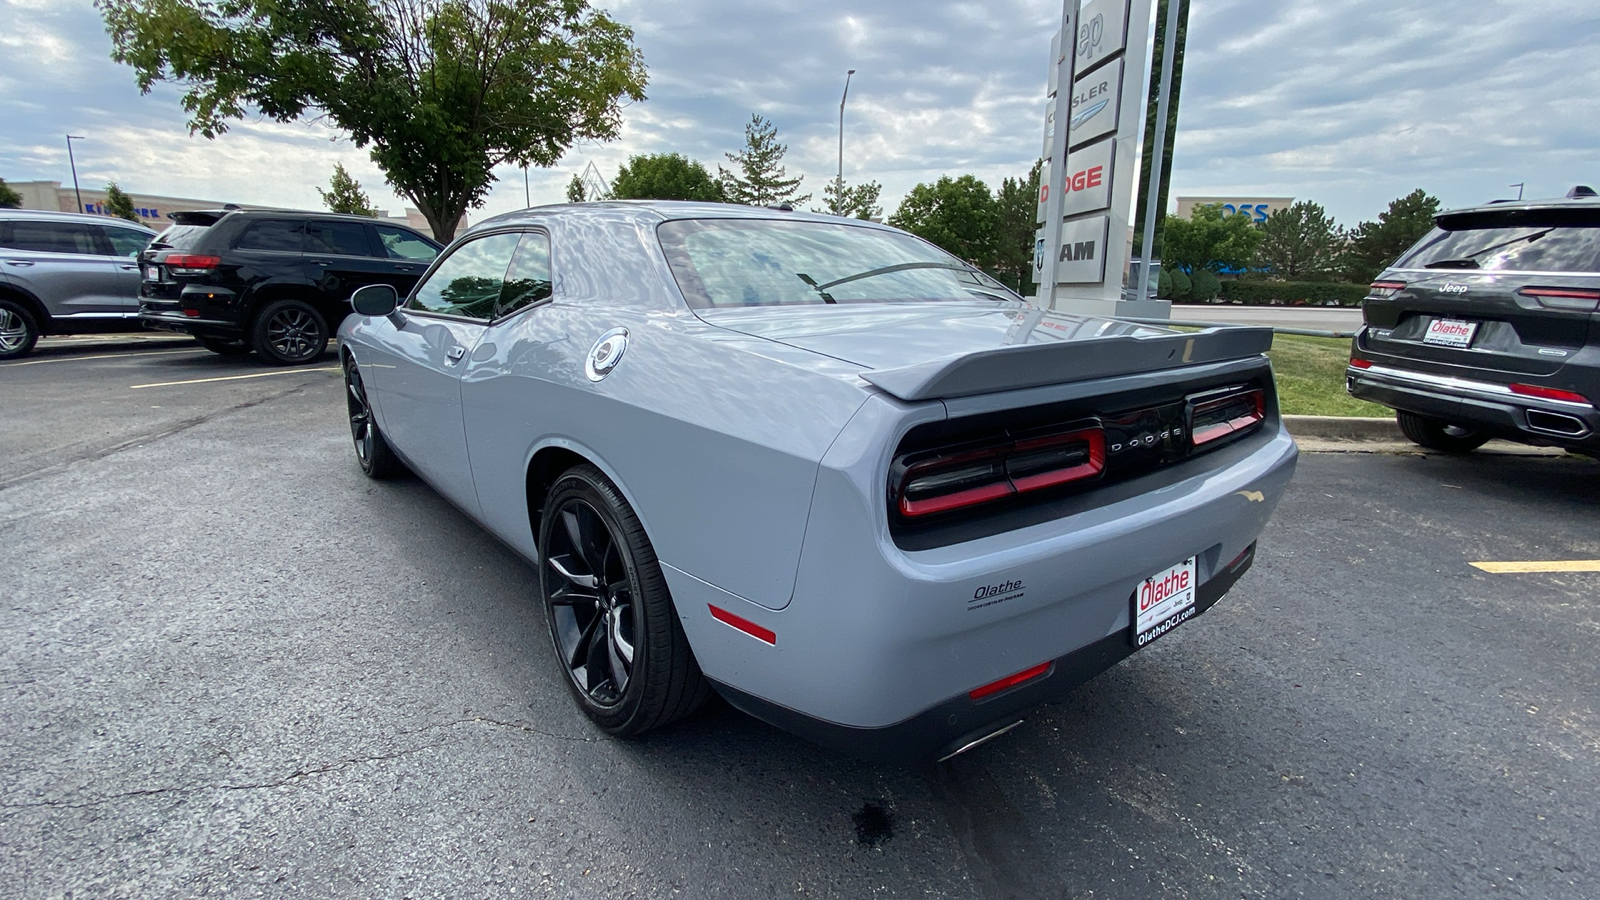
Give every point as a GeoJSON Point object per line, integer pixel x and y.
{"type": "Point", "coordinates": [1164, 601]}
{"type": "Point", "coordinates": [1450, 332]}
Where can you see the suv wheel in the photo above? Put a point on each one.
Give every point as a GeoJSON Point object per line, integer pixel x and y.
{"type": "Point", "coordinates": [1437, 435]}
{"type": "Point", "coordinates": [289, 333]}
{"type": "Point", "coordinates": [18, 332]}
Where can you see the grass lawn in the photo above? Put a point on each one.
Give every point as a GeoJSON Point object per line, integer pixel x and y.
{"type": "Point", "coordinates": [1310, 372]}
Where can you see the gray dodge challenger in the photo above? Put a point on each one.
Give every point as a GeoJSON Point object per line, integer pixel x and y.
{"type": "Point", "coordinates": [847, 481]}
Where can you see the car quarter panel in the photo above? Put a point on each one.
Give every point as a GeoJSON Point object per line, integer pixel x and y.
{"type": "Point", "coordinates": [876, 634]}
{"type": "Point", "coordinates": [714, 437]}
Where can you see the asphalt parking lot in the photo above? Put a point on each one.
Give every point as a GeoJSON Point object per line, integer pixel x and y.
{"type": "Point", "coordinates": [232, 665]}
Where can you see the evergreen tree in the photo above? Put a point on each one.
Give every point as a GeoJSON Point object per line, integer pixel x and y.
{"type": "Point", "coordinates": [1017, 206]}
{"type": "Point", "coordinates": [1300, 241]}
{"type": "Point", "coordinates": [759, 178]}
{"type": "Point", "coordinates": [119, 204]}
{"type": "Point", "coordinates": [9, 198]}
{"type": "Point", "coordinates": [665, 176]}
{"type": "Point", "coordinates": [1375, 245]}
{"type": "Point", "coordinates": [575, 192]}
{"type": "Point", "coordinates": [858, 201]}
{"type": "Point", "coordinates": [346, 195]}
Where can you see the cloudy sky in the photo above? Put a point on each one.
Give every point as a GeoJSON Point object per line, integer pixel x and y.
{"type": "Point", "coordinates": [1347, 102]}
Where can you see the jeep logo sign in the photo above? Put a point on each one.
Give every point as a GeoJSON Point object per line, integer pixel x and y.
{"type": "Point", "coordinates": [1081, 257]}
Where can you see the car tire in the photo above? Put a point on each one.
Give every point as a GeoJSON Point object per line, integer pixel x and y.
{"type": "Point", "coordinates": [612, 623]}
{"type": "Point", "coordinates": [1441, 436]}
{"type": "Point", "coordinates": [18, 331]}
{"type": "Point", "coordinates": [372, 450]}
{"type": "Point", "coordinates": [224, 347]}
{"type": "Point", "coordinates": [289, 333]}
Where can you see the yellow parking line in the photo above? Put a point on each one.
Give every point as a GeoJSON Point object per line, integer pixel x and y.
{"type": "Point", "coordinates": [137, 354]}
{"type": "Point", "coordinates": [1554, 565]}
{"type": "Point", "coordinates": [232, 377]}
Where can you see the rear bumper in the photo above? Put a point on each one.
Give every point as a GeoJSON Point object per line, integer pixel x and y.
{"type": "Point", "coordinates": [1481, 405]}
{"type": "Point", "coordinates": [177, 321]}
{"type": "Point", "coordinates": [960, 722]}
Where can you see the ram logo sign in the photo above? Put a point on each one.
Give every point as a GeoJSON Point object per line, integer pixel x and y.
{"type": "Point", "coordinates": [1081, 258]}
{"type": "Point", "coordinates": [1076, 251]}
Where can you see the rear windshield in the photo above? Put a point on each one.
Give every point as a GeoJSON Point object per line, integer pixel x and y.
{"type": "Point", "coordinates": [1526, 242]}
{"type": "Point", "coordinates": [179, 237]}
{"type": "Point", "coordinates": [760, 262]}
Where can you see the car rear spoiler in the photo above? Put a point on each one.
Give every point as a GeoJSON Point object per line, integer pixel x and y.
{"type": "Point", "coordinates": [1035, 365]}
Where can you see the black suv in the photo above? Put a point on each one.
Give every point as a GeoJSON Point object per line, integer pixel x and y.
{"type": "Point", "coordinates": [1489, 327]}
{"type": "Point", "coordinates": [274, 282]}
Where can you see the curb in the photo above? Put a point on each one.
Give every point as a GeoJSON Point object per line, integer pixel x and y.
{"type": "Point", "coordinates": [1344, 428]}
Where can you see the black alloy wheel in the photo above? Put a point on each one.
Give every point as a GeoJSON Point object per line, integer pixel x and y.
{"type": "Point", "coordinates": [18, 331]}
{"type": "Point", "coordinates": [289, 333]}
{"type": "Point", "coordinates": [1441, 436]}
{"type": "Point", "coordinates": [372, 451]}
{"type": "Point", "coordinates": [611, 618]}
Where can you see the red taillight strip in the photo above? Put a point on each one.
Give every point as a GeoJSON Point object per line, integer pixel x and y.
{"type": "Point", "coordinates": [1360, 363]}
{"type": "Point", "coordinates": [1570, 293]}
{"type": "Point", "coordinates": [766, 635]}
{"type": "Point", "coordinates": [1010, 681]}
{"type": "Point", "coordinates": [1008, 484]}
{"type": "Point", "coordinates": [182, 261]}
{"type": "Point", "coordinates": [945, 502]}
{"type": "Point", "coordinates": [1548, 393]}
{"type": "Point", "coordinates": [1089, 468]}
{"type": "Point", "coordinates": [1387, 286]}
{"type": "Point", "coordinates": [1205, 434]}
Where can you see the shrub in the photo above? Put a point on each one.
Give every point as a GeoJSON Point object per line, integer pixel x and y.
{"type": "Point", "coordinates": [1179, 285]}
{"type": "Point", "coordinates": [1294, 293]}
{"type": "Point", "coordinates": [1206, 286]}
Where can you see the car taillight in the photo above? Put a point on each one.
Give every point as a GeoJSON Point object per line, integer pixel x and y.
{"type": "Point", "coordinates": [1382, 289]}
{"type": "Point", "coordinates": [970, 477]}
{"type": "Point", "coordinates": [1563, 298]}
{"type": "Point", "coordinates": [1213, 418]}
{"type": "Point", "coordinates": [183, 264]}
{"type": "Point", "coordinates": [1360, 364]}
{"type": "Point", "coordinates": [1548, 393]}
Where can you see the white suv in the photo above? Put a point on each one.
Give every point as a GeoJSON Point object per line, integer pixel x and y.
{"type": "Point", "coordinates": [64, 273]}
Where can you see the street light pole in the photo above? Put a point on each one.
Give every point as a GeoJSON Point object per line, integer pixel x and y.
{"type": "Point", "coordinates": [74, 163]}
{"type": "Point", "coordinates": [838, 184]}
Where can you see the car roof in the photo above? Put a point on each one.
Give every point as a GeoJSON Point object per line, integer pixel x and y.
{"type": "Point", "coordinates": [657, 211]}
{"type": "Point", "coordinates": [216, 214]}
{"type": "Point", "coordinates": [1579, 205]}
{"type": "Point", "coordinates": [85, 218]}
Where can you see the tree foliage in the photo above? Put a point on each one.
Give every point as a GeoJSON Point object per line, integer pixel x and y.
{"type": "Point", "coordinates": [855, 201]}
{"type": "Point", "coordinates": [575, 190]}
{"type": "Point", "coordinates": [758, 177]}
{"type": "Point", "coordinates": [1300, 240]}
{"type": "Point", "coordinates": [958, 214]}
{"type": "Point", "coordinates": [9, 198]}
{"type": "Point", "coordinates": [441, 91]}
{"type": "Point", "coordinates": [119, 204]}
{"type": "Point", "coordinates": [1209, 240]}
{"type": "Point", "coordinates": [345, 194]}
{"type": "Point", "coordinates": [1374, 245]}
{"type": "Point", "coordinates": [1016, 208]}
{"type": "Point", "coordinates": [664, 176]}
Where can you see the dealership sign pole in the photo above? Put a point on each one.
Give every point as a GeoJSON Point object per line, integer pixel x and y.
{"type": "Point", "coordinates": [1053, 178]}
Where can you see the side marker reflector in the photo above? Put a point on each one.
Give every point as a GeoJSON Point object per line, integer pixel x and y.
{"type": "Point", "coordinates": [765, 635]}
{"type": "Point", "coordinates": [1010, 681]}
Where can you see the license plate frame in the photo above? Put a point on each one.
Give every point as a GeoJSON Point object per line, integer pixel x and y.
{"type": "Point", "coordinates": [1458, 333]}
{"type": "Point", "coordinates": [1168, 599]}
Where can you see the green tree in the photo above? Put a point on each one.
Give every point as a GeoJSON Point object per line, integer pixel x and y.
{"type": "Point", "coordinates": [575, 191]}
{"type": "Point", "coordinates": [759, 178]}
{"type": "Point", "coordinates": [1016, 208]}
{"type": "Point", "coordinates": [958, 214]}
{"type": "Point", "coordinates": [856, 201]}
{"type": "Point", "coordinates": [664, 176]}
{"type": "Point", "coordinates": [9, 198]}
{"type": "Point", "coordinates": [345, 194]}
{"type": "Point", "coordinates": [119, 204]}
{"type": "Point", "coordinates": [441, 91]}
{"type": "Point", "coordinates": [1374, 245]}
{"type": "Point", "coordinates": [1209, 240]}
{"type": "Point", "coordinates": [1300, 240]}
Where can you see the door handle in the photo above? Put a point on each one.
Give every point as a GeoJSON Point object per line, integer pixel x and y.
{"type": "Point", "coordinates": [128, 267]}
{"type": "Point", "coordinates": [19, 262]}
{"type": "Point", "coordinates": [322, 262]}
{"type": "Point", "coordinates": [455, 353]}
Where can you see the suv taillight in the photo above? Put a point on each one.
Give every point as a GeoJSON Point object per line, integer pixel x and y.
{"type": "Point", "coordinates": [1383, 289]}
{"type": "Point", "coordinates": [1213, 418]}
{"type": "Point", "coordinates": [184, 264]}
{"type": "Point", "coordinates": [972, 476]}
{"type": "Point", "coordinates": [1579, 299]}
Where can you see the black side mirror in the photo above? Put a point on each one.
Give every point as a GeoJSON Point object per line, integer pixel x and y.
{"type": "Point", "coordinates": [375, 300]}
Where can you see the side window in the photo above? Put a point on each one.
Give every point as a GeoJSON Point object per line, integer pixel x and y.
{"type": "Point", "coordinates": [125, 241]}
{"type": "Point", "coordinates": [468, 282]}
{"type": "Point", "coordinates": [528, 278]}
{"type": "Point", "coordinates": [271, 234]}
{"type": "Point", "coordinates": [340, 238]}
{"type": "Point", "coordinates": [399, 243]}
{"type": "Point", "coordinates": [53, 237]}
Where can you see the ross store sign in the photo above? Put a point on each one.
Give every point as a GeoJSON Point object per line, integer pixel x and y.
{"type": "Point", "coordinates": [1095, 104]}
